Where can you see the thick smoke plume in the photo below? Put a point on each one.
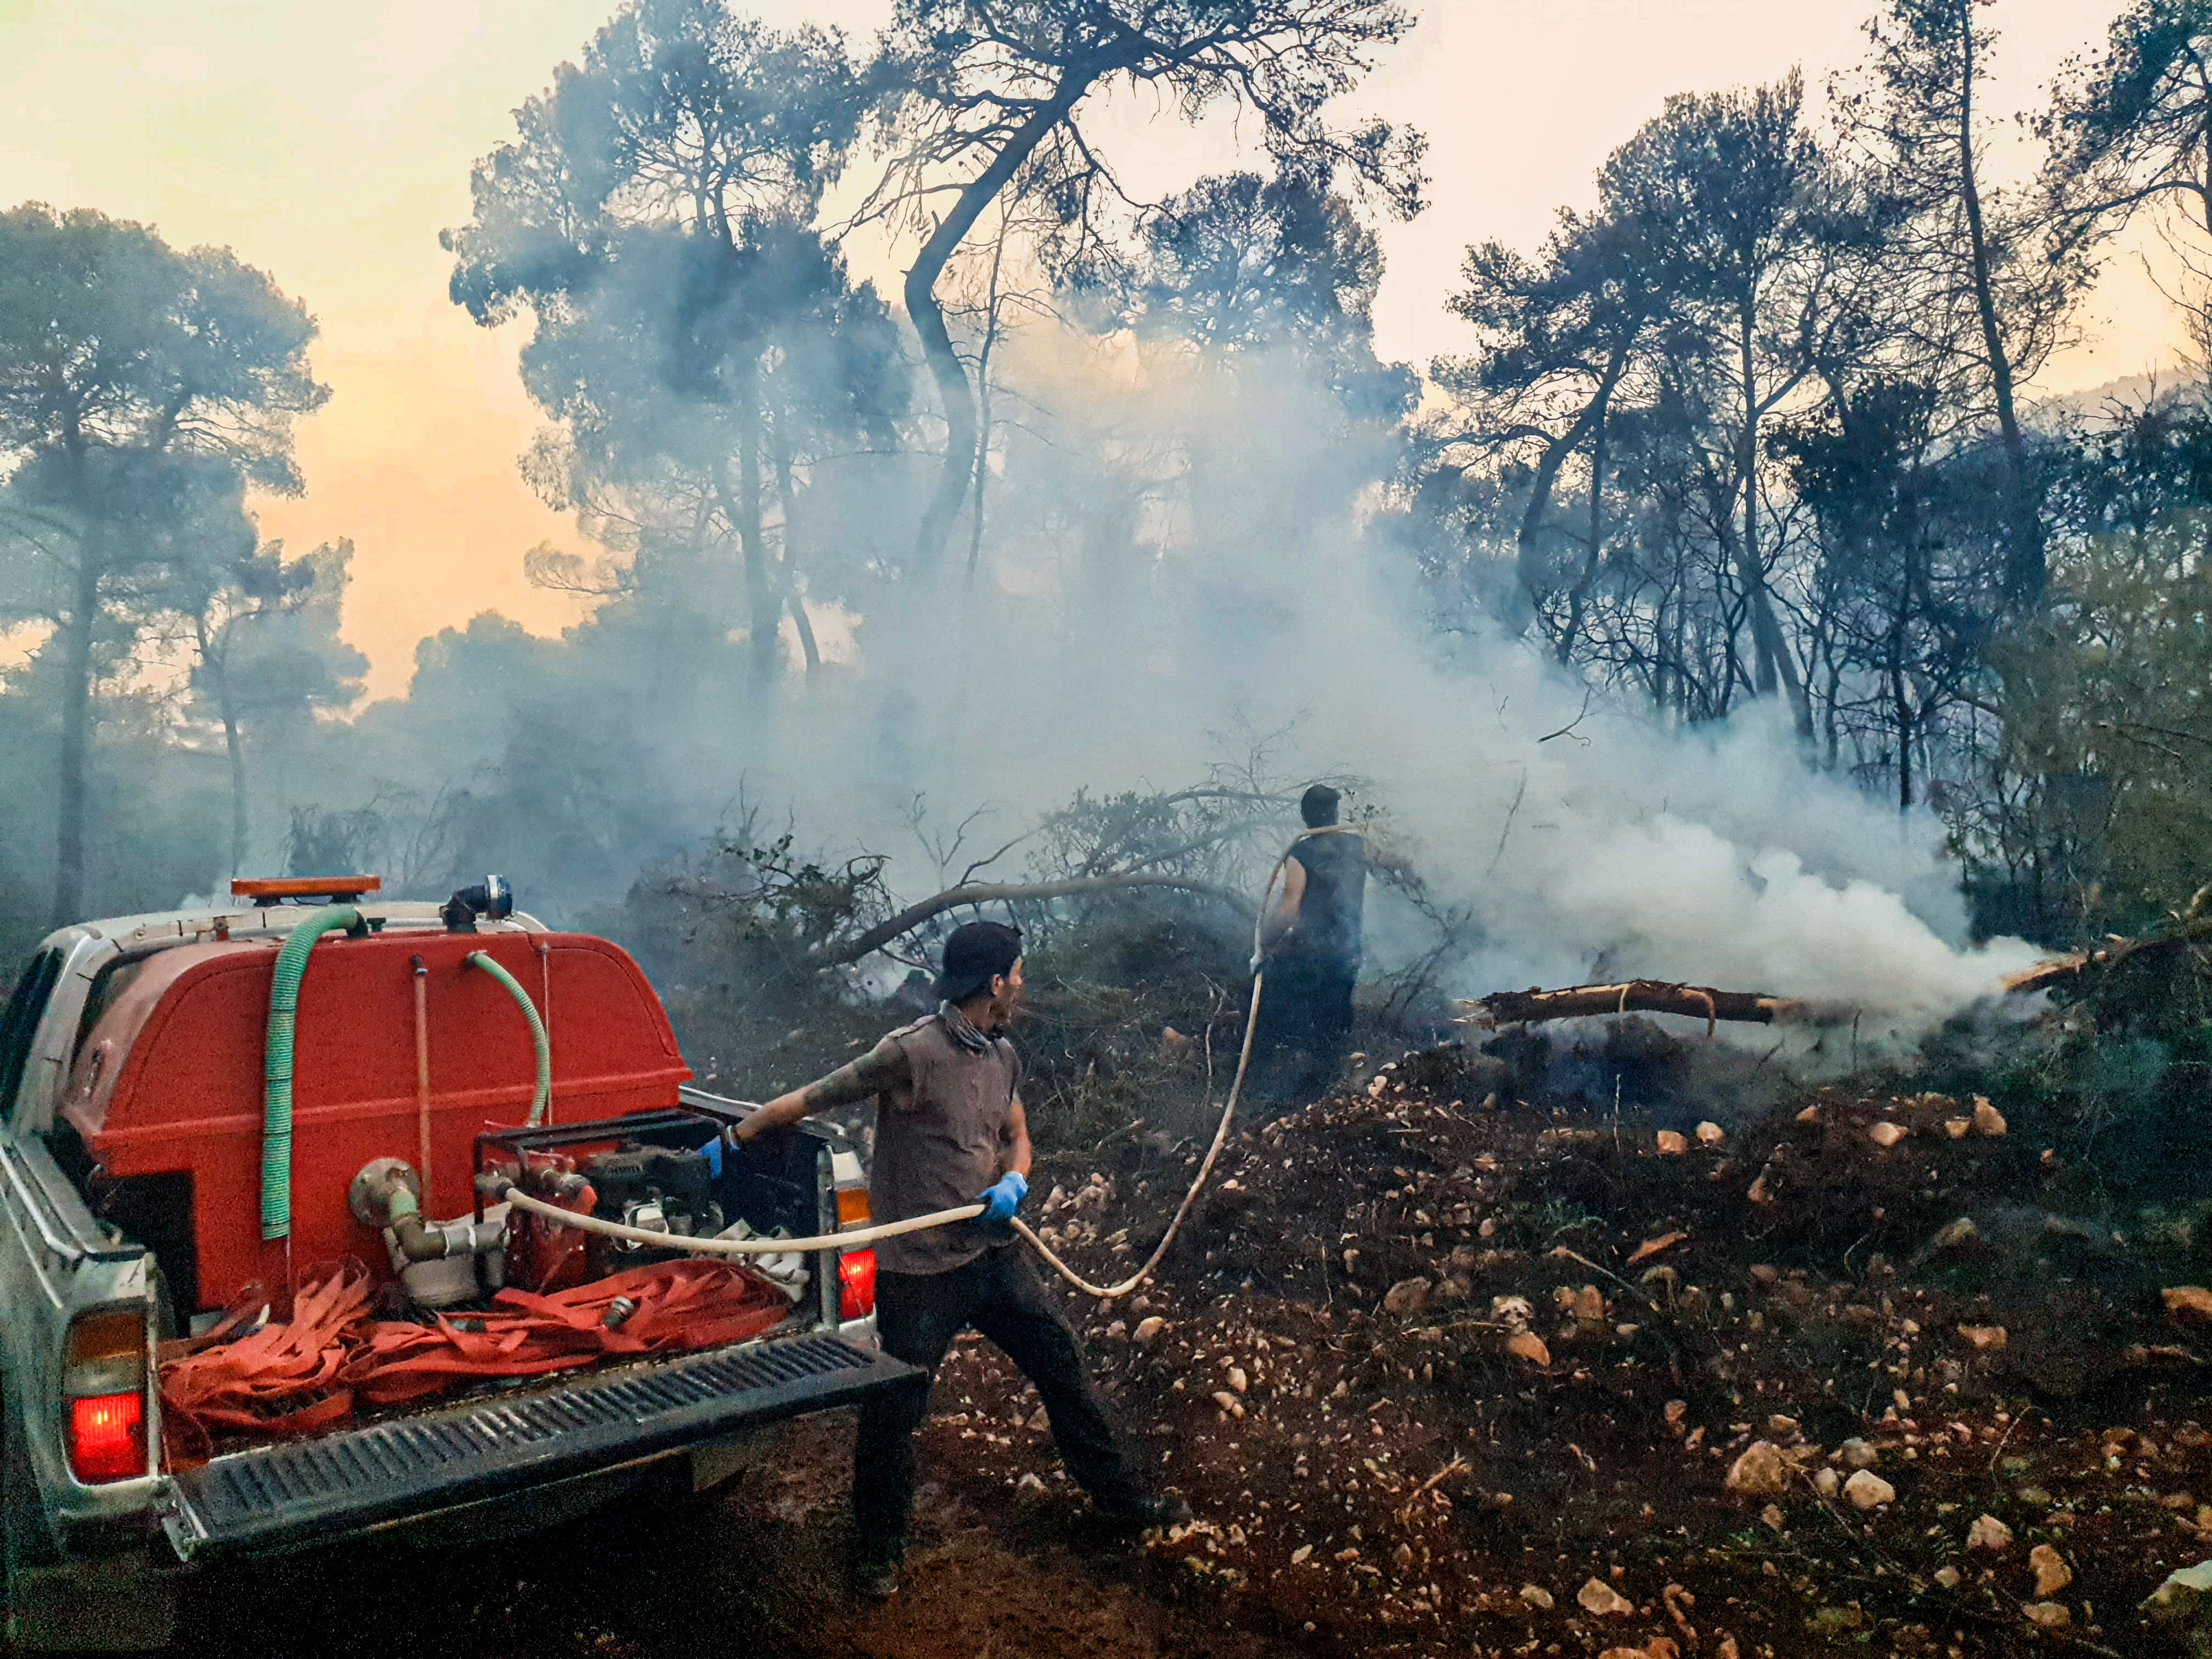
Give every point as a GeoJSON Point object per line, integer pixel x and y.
{"type": "Point", "coordinates": [1586, 842]}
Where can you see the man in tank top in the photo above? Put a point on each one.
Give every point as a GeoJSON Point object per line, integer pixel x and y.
{"type": "Point", "coordinates": [1311, 950]}
{"type": "Point", "coordinates": [949, 1130]}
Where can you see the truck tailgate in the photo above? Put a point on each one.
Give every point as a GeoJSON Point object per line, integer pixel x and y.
{"type": "Point", "coordinates": [284, 1497]}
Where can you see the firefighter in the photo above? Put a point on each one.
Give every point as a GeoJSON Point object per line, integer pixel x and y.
{"type": "Point", "coordinates": [1311, 950]}
{"type": "Point", "coordinates": [950, 1130]}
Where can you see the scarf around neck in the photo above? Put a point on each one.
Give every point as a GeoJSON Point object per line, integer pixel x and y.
{"type": "Point", "coordinates": [963, 1031]}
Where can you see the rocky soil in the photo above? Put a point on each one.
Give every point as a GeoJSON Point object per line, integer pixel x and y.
{"type": "Point", "coordinates": [1441, 1377]}
{"type": "Point", "coordinates": [1442, 1374]}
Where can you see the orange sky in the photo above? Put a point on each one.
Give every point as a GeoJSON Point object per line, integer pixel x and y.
{"type": "Point", "coordinates": [329, 145]}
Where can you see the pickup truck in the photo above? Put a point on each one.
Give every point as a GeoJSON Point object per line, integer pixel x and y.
{"type": "Point", "coordinates": [131, 1137]}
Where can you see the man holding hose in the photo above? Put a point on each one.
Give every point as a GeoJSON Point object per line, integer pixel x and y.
{"type": "Point", "coordinates": [949, 1131]}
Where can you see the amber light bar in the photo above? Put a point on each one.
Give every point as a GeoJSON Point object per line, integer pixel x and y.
{"type": "Point", "coordinates": [267, 890]}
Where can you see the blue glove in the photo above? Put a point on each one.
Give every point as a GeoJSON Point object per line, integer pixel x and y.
{"type": "Point", "coordinates": [1003, 1197]}
{"type": "Point", "coordinates": [713, 1149]}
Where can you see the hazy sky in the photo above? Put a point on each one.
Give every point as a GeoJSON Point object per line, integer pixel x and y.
{"type": "Point", "coordinates": [329, 144]}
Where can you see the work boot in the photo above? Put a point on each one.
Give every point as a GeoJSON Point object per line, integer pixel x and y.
{"type": "Point", "coordinates": [876, 1577]}
{"type": "Point", "coordinates": [1144, 1514]}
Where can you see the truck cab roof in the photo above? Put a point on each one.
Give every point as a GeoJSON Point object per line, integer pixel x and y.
{"type": "Point", "coordinates": [198, 924]}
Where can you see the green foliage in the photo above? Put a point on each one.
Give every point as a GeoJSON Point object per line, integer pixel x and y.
{"type": "Point", "coordinates": [141, 389]}
{"type": "Point", "coordinates": [2101, 821]}
{"type": "Point", "coordinates": [698, 344]}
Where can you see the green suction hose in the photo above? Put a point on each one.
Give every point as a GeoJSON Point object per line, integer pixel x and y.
{"type": "Point", "coordinates": [543, 1095]}
{"type": "Point", "coordinates": [277, 1064]}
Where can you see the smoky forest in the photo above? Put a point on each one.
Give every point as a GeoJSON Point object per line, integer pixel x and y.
{"type": "Point", "coordinates": [1760, 1207]}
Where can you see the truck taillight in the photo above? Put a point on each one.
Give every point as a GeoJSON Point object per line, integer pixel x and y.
{"type": "Point", "coordinates": [856, 1284]}
{"type": "Point", "coordinates": [107, 1438]}
{"type": "Point", "coordinates": [104, 1380]}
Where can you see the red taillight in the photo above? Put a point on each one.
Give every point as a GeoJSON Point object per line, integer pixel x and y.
{"type": "Point", "coordinates": [106, 1437]}
{"type": "Point", "coordinates": [856, 1284]}
{"type": "Point", "coordinates": [104, 1379]}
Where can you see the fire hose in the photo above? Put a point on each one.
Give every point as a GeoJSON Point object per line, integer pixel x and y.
{"type": "Point", "coordinates": [862, 1236]}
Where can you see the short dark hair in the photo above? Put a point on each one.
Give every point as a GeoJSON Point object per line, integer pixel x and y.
{"type": "Point", "coordinates": [1318, 807]}
{"type": "Point", "coordinates": [976, 953]}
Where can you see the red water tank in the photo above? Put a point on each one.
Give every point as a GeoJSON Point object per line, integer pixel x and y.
{"type": "Point", "coordinates": [169, 1080]}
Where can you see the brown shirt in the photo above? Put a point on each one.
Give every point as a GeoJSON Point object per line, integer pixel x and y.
{"type": "Point", "coordinates": [941, 1138]}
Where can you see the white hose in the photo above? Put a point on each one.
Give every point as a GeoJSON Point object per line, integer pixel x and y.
{"type": "Point", "coordinates": [852, 1240]}
{"type": "Point", "coordinates": [866, 1236]}
{"type": "Point", "coordinates": [1108, 1292]}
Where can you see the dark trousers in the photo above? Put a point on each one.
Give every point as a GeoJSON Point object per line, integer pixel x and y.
{"type": "Point", "coordinates": [1305, 1029]}
{"type": "Point", "coordinates": [917, 1316]}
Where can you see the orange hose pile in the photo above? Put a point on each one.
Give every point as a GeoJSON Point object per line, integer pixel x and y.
{"type": "Point", "coordinates": [279, 1380]}
{"type": "Point", "coordinates": [680, 1305]}
{"type": "Point", "coordinates": [306, 1376]}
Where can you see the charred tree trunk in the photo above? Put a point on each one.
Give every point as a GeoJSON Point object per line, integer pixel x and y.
{"type": "Point", "coordinates": [77, 735]}
{"type": "Point", "coordinates": [2024, 560]}
{"type": "Point", "coordinates": [1776, 670]}
{"type": "Point", "coordinates": [1901, 706]}
{"type": "Point", "coordinates": [786, 494]}
{"type": "Point", "coordinates": [763, 600]}
{"type": "Point", "coordinates": [928, 317]}
{"type": "Point", "coordinates": [234, 744]}
{"type": "Point", "coordinates": [1579, 601]}
{"type": "Point", "coordinates": [1530, 566]}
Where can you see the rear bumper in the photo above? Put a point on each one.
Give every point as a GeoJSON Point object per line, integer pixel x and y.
{"type": "Point", "coordinates": [396, 1473]}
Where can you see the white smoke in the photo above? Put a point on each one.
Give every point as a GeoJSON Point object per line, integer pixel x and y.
{"type": "Point", "coordinates": [1620, 847]}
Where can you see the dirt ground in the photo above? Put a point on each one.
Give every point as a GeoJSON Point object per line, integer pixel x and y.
{"type": "Point", "coordinates": [1441, 1377]}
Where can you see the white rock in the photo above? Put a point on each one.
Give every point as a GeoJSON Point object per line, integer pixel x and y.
{"type": "Point", "coordinates": [1537, 1597]}
{"type": "Point", "coordinates": [1988, 1532]}
{"type": "Point", "coordinates": [1947, 1577]}
{"type": "Point", "coordinates": [1710, 1133]}
{"type": "Point", "coordinates": [1988, 1120]}
{"type": "Point", "coordinates": [1761, 1471]}
{"type": "Point", "coordinates": [1869, 1491]}
{"type": "Point", "coordinates": [1407, 1297]}
{"type": "Point", "coordinates": [1148, 1329]}
{"type": "Point", "coordinates": [2052, 1575]}
{"type": "Point", "coordinates": [1826, 1482]}
{"type": "Point", "coordinates": [1600, 1601]}
{"type": "Point", "coordinates": [1237, 1380]}
{"type": "Point", "coordinates": [2183, 1595]}
{"type": "Point", "coordinates": [1855, 1454]}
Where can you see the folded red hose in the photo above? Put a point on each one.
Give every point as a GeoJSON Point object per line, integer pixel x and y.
{"type": "Point", "coordinates": [306, 1377]}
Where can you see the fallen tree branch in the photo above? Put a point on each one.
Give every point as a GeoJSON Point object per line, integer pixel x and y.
{"type": "Point", "coordinates": [1648, 996]}
{"type": "Point", "coordinates": [834, 952]}
{"type": "Point", "coordinates": [2077, 965]}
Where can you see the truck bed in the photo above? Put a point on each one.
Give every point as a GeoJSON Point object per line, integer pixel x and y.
{"type": "Point", "coordinates": [271, 1499]}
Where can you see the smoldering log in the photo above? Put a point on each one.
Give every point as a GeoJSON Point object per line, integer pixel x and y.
{"type": "Point", "coordinates": [1650, 996]}
{"type": "Point", "coordinates": [2079, 964]}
